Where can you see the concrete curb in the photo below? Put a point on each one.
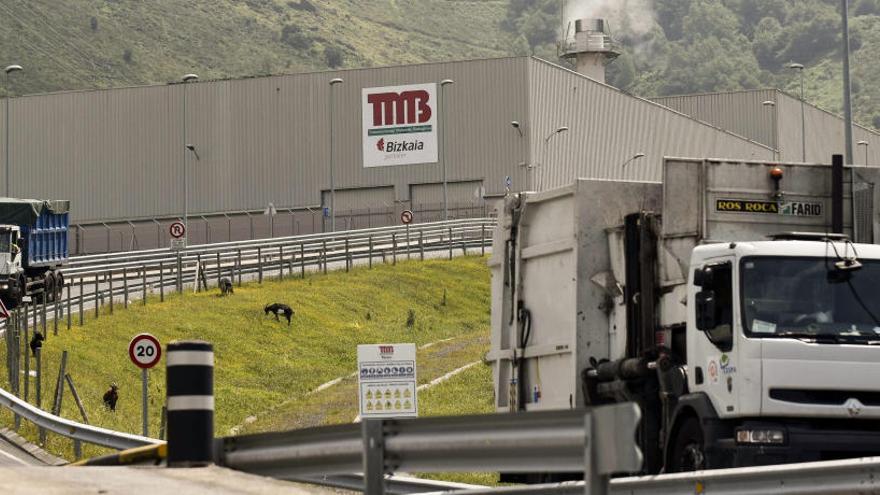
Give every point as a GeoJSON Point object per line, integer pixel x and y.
{"type": "Point", "coordinates": [33, 450]}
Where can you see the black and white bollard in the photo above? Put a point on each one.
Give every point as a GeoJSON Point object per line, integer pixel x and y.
{"type": "Point", "coordinates": [190, 395]}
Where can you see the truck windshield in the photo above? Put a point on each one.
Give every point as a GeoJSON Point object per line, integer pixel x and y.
{"type": "Point", "coordinates": [807, 298]}
{"type": "Point", "coordinates": [5, 241]}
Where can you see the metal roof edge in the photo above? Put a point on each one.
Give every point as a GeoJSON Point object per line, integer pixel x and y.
{"type": "Point", "coordinates": [649, 102]}
{"type": "Point", "coordinates": [266, 76]}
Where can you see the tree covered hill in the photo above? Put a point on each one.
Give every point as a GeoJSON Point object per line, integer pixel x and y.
{"type": "Point", "coordinates": [693, 46]}
{"type": "Point", "coordinates": [670, 46]}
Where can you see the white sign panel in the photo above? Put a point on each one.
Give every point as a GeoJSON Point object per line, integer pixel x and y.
{"type": "Point", "coordinates": [387, 380]}
{"type": "Point", "coordinates": [400, 125]}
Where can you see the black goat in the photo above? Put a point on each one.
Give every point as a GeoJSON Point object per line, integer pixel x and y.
{"type": "Point", "coordinates": [36, 343]}
{"type": "Point", "coordinates": [226, 287]}
{"type": "Point", "coordinates": [279, 309]}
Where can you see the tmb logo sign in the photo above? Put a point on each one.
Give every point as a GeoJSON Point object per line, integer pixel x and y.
{"type": "Point", "coordinates": [386, 351]}
{"type": "Point", "coordinates": [399, 125]}
{"type": "Point", "coordinates": [407, 107]}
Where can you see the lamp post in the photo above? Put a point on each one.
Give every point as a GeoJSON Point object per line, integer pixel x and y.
{"type": "Point", "coordinates": [186, 147]}
{"type": "Point", "coordinates": [7, 71]}
{"type": "Point", "coordinates": [559, 130]}
{"type": "Point", "coordinates": [632, 158]}
{"type": "Point", "coordinates": [800, 69]}
{"type": "Point", "coordinates": [865, 144]}
{"type": "Point", "coordinates": [333, 82]}
{"type": "Point", "coordinates": [529, 167]}
{"type": "Point", "coordinates": [847, 86]}
{"type": "Point", "coordinates": [772, 106]}
{"type": "Point", "coordinates": [443, 84]}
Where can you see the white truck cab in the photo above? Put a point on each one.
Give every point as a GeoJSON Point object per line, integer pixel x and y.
{"type": "Point", "coordinates": [10, 253]}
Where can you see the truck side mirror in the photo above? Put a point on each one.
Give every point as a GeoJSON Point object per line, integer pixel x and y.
{"type": "Point", "coordinates": [705, 302]}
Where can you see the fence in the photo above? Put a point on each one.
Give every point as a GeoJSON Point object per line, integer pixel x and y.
{"type": "Point", "coordinates": [105, 237]}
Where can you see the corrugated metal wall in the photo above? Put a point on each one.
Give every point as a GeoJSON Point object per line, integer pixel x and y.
{"type": "Point", "coordinates": [118, 154]}
{"type": "Point", "coordinates": [740, 112]}
{"type": "Point", "coordinates": [824, 134]}
{"type": "Point", "coordinates": [456, 192]}
{"type": "Point", "coordinates": [608, 127]}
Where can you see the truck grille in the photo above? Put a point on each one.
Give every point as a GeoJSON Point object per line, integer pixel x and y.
{"type": "Point", "coordinates": [825, 397]}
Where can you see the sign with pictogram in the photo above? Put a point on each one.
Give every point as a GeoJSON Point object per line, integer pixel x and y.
{"type": "Point", "coordinates": [387, 381]}
{"type": "Point", "coordinates": [144, 351]}
{"type": "Point", "coordinates": [177, 230]}
{"type": "Point", "coordinates": [406, 217]}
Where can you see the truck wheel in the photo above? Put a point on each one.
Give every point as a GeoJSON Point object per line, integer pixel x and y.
{"type": "Point", "coordinates": [688, 451]}
{"type": "Point", "coordinates": [48, 287]}
{"type": "Point", "coordinates": [59, 286]}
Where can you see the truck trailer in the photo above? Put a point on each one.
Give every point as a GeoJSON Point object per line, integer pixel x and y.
{"type": "Point", "coordinates": [33, 248]}
{"type": "Point", "coordinates": [736, 302]}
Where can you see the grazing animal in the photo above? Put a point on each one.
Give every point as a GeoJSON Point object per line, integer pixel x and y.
{"type": "Point", "coordinates": [226, 287]}
{"type": "Point", "coordinates": [279, 309]}
{"type": "Point", "coordinates": [111, 397]}
{"type": "Point", "coordinates": [36, 343]}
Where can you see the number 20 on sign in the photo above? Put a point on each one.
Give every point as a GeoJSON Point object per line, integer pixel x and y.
{"type": "Point", "coordinates": [144, 351]}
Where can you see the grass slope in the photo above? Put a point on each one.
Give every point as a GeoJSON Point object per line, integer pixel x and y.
{"type": "Point", "coordinates": [264, 368]}
{"type": "Point", "coordinates": [79, 44]}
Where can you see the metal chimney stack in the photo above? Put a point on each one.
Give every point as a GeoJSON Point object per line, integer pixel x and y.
{"type": "Point", "coordinates": [591, 47]}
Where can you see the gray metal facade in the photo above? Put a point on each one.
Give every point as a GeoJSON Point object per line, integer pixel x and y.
{"type": "Point", "coordinates": [119, 154]}
{"type": "Point", "coordinates": [743, 113]}
{"type": "Point", "coordinates": [609, 127]}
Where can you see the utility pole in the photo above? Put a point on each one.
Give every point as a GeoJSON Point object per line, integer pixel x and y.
{"type": "Point", "coordinates": [847, 86]}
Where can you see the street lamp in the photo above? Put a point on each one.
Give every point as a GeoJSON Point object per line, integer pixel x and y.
{"type": "Point", "coordinates": [865, 144]}
{"type": "Point", "coordinates": [800, 68]}
{"type": "Point", "coordinates": [8, 70]}
{"type": "Point", "coordinates": [333, 82]}
{"type": "Point", "coordinates": [632, 158]}
{"type": "Point", "coordinates": [443, 84]}
{"type": "Point", "coordinates": [529, 166]}
{"type": "Point", "coordinates": [559, 130]}
{"type": "Point", "coordinates": [771, 105]}
{"type": "Point", "coordinates": [186, 147]}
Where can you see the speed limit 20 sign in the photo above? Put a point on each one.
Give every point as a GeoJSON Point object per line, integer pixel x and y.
{"type": "Point", "coordinates": [144, 351]}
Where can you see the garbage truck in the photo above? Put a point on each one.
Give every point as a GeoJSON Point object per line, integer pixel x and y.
{"type": "Point", "coordinates": [33, 248]}
{"type": "Point", "coordinates": [737, 303]}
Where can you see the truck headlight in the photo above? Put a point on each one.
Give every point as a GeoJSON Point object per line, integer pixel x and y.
{"type": "Point", "coordinates": [768, 436]}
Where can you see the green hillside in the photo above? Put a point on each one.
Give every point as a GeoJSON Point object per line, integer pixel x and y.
{"type": "Point", "coordinates": [269, 371]}
{"type": "Point", "coordinates": [696, 46]}
{"type": "Point", "coordinates": [670, 46]}
{"type": "Point", "coordinates": [78, 44]}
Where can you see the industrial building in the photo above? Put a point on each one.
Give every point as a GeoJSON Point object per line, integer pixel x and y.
{"type": "Point", "coordinates": [121, 155]}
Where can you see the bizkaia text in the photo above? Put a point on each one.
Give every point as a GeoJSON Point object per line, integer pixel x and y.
{"type": "Point", "coordinates": [397, 146]}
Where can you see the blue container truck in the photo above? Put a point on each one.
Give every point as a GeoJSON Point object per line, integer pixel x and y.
{"type": "Point", "coordinates": [33, 248]}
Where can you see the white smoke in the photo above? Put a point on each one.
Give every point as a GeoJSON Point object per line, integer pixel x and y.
{"type": "Point", "coordinates": [633, 17]}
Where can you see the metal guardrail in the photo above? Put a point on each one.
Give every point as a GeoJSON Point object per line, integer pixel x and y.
{"type": "Point", "coordinates": [844, 477]}
{"type": "Point", "coordinates": [71, 429]}
{"type": "Point", "coordinates": [598, 442]}
{"type": "Point", "coordinates": [99, 279]}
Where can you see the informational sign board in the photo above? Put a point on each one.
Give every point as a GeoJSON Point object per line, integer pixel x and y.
{"type": "Point", "coordinates": [400, 125]}
{"type": "Point", "coordinates": [270, 210]}
{"type": "Point", "coordinates": [387, 381]}
{"type": "Point", "coordinates": [144, 351]}
{"type": "Point", "coordinates": [177, 230]}
{"type": "Point", "coordinates": [406, 217]}
{"type": "Point", "coordinates": [178, 244]}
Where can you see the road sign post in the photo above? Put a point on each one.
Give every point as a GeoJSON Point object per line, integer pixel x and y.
{"type": "Point", "coordinates": [406, 216]}
{"type": "Point", "coordinates": [145, 352]}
